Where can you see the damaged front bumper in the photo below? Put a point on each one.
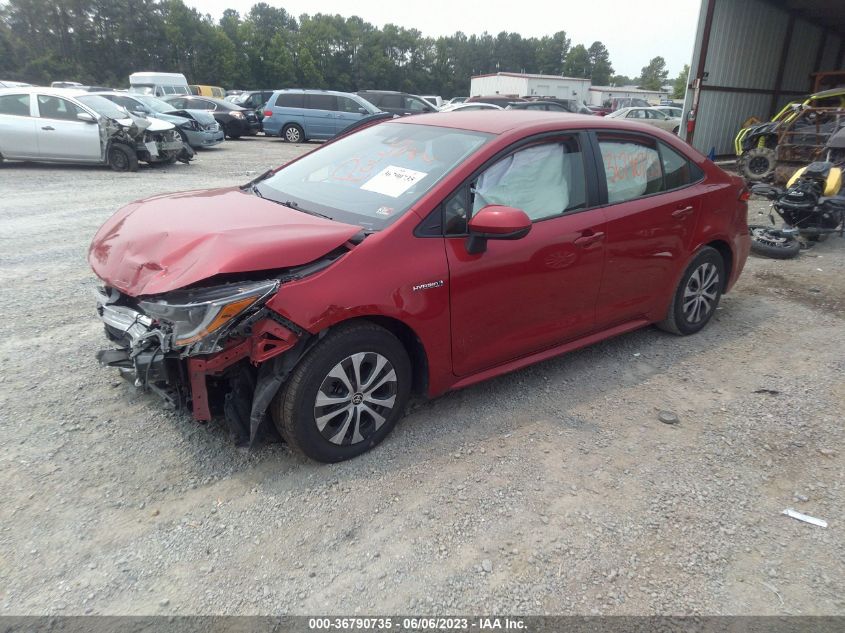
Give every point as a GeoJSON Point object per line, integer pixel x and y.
{"type": "Point", "coordinates": [144, 353]}
{"type": "Point", "coordinates": [155, 147]}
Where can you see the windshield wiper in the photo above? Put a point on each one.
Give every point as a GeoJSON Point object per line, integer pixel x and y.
{"type": "Point", "coordinates": [295, 205]}
{"type": "Point", "coordinates": [251, 184]}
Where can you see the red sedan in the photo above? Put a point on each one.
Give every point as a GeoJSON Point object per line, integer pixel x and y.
{"type": "Point", "coordinates": [417, 255]}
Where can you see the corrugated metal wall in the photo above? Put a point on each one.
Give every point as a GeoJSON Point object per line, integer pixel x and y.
{"type": "Point", "coordinates": [746, 40]}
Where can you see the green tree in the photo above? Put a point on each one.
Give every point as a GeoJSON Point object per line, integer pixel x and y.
{"type": "Point", "coordinates": [679, 86]}
{"type": "Point", "coordinates": [621, 80]}
{"type": "Point", "coordinates": [577, 62]}
{"type": "Point", "coordinates": [600, 68]}
{"type": "Point", "coordinates": [655, 75]}
{"type": "Point", "coordinates": [551, 53]}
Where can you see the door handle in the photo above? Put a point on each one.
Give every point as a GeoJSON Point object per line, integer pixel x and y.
{"type": "Point", "coordinates": [49, 128]}
{"type": "Point", "coordinates": [592, 238]}
{"type": "Point", "coordinates": [682, 212]}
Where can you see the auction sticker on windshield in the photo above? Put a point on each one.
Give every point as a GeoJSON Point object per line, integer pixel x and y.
{"type": "Point", "coordinates": [393, 181]}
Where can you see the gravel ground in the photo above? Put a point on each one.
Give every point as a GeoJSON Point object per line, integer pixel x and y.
{"type": "Point", "coordinates": [552, 490]}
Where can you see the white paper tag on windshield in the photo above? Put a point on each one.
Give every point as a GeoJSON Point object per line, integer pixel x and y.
{"type": "Point", "coordinates": [393, 181]}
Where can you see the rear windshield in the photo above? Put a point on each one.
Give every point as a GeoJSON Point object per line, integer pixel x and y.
{"type": "Point", "coordinates": [374, 176]}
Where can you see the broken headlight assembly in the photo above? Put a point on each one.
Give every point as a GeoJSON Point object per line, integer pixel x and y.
{"type": "Point", "coordinates": [198, 319]}
{"type": "Point", "coordinates": [190, 124]}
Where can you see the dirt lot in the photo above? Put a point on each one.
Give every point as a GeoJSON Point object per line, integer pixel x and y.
{"type": "Point", "coordinates": [552, 490]}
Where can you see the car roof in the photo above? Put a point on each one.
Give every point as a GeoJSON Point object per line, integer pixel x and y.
{"type": "Point", "coordinates": [312, 91]}
{"type": "Point", "coordinates": [513, 121]}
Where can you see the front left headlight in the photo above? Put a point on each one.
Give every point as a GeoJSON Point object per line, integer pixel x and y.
{"type": "Point", "coordinates": [206, 314]}
{"type": "Point", "coordinates": [237, 114]}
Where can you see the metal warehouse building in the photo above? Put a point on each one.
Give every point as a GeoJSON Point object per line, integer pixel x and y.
{"type": "Point", "coordinates": [751, 57]}
{"type": "Point", "coordinates": [528, 85]}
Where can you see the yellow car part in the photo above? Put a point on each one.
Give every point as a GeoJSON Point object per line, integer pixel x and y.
{"type": "Point", "coordinates": [832, 184]}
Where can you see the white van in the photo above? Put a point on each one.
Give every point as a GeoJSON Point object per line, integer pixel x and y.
{"type": "Point", "coordinates": [159, 84]}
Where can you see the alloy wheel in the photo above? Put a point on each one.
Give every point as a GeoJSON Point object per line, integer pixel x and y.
{"type": "Point", "coordinates": [355, 398]}
{"type": "Point", "coordinates": [701, 292]}
{"type": "Point", "coordinates": [292, 135]}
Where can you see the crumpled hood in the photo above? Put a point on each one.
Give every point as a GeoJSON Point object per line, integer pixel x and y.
{"type": "Point", "coordinates": [202, 117]}
{"type": "Point", "coordinates": [174, 240]}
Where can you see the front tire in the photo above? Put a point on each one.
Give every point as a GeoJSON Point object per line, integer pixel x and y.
{"type": "Point", "coordinates": [292, 133]}
{"type": "Point", "coordinates": [233, 131]}
{"type": "Point", "coordinates": [697, 295]}
{"type": "Point", "coordinates": [758, 163]}
{"type": "Point", "coordinates": [346, 395]}
{"type": "Point", "coordinates": [121, 157]}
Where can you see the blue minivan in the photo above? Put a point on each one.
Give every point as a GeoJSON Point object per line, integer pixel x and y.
{"type": "Point", "coordinates": [300, 115]}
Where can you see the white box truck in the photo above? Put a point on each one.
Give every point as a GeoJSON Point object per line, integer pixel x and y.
{"type": "Point", "coordinates": [159, 84]}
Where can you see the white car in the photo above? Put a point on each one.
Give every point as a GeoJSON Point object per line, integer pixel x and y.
{"type": "Point", "coordinates": [673, 111]}
{"type": "Point", "coordinates": [651, 116]}
{"type": "Point", "coordinates": [73, 126]}
{"type": "Point", "coordinates": [463, 107]}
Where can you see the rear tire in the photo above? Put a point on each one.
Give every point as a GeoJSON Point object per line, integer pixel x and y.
{"type": "Point", "coordinates": [697, 295]}
{"type": "Point", "coordinates": [122, 157]}
{"type": "Point", "coordinates": [346, 395]}
{"type": "Point", "coordinates": [758, 163]}
{"type": "Point", "coordinates": [766, 243]}
{"type": "Point", "coordinates": [292, 133]}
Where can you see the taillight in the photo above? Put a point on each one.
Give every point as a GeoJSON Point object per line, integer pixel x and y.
{"type": "Point", "coordinates": [268, 113]}
{"type": "Point", "coordinates": [744, 195]}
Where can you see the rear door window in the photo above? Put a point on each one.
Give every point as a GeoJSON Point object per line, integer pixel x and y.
{"type": "Point", "coordinates": [678, 170]}
{"type": "Point", "coordinates": [416, 105]}
{"type": "Point", "coordinates": [321, 102]}
{"type": "Point", "coordinates": [290, 100]}
{"type": "Point", "coordinates": [631, 166]}
{"type": "Point", "coordinates": [16, 105]}
{"type": "Point", "coordinates": [391, 101]}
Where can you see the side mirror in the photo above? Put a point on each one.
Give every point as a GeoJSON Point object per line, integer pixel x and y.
{"type": "Point", "coordinates": [362, 111]}
{"type": "Point", "coordinates": [84, 116]}
{"type": "Point", "coordinates": [495, 222]}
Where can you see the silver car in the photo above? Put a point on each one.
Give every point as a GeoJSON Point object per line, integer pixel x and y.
{"type": "Point", "coordinates": [198, 128]}
{"type": "Point", "coordinates": [74, 126]}
{"type": "Point", "coordinates": [651, 116]}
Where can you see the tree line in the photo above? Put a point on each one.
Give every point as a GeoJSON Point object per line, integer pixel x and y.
{"type": "Point", "coordinates": [100, 42]}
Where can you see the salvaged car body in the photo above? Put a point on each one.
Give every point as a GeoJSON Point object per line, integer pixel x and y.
{"type": "Point", "coordinates": [794, 137]}
{"type": "Point", "coordinates": [419, 254]}
{"type": "Point", "coordinates": [198, 128]}
{"type": "Point", "coordinates": [73, 126]}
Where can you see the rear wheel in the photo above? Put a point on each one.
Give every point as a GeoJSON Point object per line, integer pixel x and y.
{"type": "Point", "coordinates": [770, 242]}
{"type": "Point", "coordinates": [697, 295]}
{"type": "Point", "coordinates": [122, 158]}
{"type": "Point", "coordinates": [346, 395]}
{"type": "Point", "coordinates": [292, 133]}
{"type": "Point", "coordinates": [758, 163]}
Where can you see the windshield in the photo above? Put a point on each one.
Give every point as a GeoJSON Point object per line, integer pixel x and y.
{"type": "Point", "coordinates": [154, 103]}
{"type": "Point", "coordinates": [142, 89]}
{"type": "Point", "coordinates": [103, 106]}
{"type": "Point", "coordinates": [372, 177]}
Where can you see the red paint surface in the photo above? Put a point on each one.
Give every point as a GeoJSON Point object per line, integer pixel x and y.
{"type": "Point", "coordinates": [171, 241]}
